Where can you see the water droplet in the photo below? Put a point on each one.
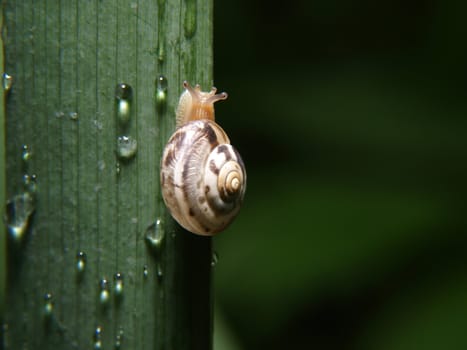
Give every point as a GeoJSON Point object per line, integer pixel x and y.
{"type": "Point", "coordinates": [59, 114]}
{"type": "Point", "coordinates": [48, 305]}
{"type": "Point", "coordinates": [25, 153]}
{"type": "Point", "coordinates": [161, 93]}
{"type": "Point", "coordinates": [162, 23]}
{"type": "Point", "coordinates": [104, 291]}
{"type": "Point", "coordinates": [145, 271]}
{"type": "Point", "coordinates": [161, 50]}
{"type": "Point", "coordinates": [126, 147]}
{"type": "Point", "coordinates": [97, 338]}
{"type": "Point", "coordinates": [73, 115]}
{"type": "Point", "coordinates": [19, 210]}
{"type": "Point", "coordinates": [30, 183]}
{"type": "Point", "coordinates": [119, 338]}
{"type": "Point", "coordinates": [190, 18]}
{"type": "Point", "coordinates": [97, 124]}
{"type": "Point", "coordinates": [118, 285]}
{"type": "Point", "coordinates": [154, 235]}
{"type": "Point", "coordinates": [81, 262]}
{"type": "Point", "coordinates": [7, 82]}
{"type": "Point", "coordinates": [214, 259]}
{"type": "Point", "coordinates": [101, 165]}
{"type": "Point", "coordinates": [27, 179]}
{"type": "Point", "coordinates": [160, 272]}
{"type": "Point", "coordinates": [123, 95]}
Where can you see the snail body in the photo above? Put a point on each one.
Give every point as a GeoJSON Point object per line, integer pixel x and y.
{"type": "Point", "coordinates": [203, 177]}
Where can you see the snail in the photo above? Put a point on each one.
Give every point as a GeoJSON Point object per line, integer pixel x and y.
{"type": "Point", "coordinates": [203, 177]}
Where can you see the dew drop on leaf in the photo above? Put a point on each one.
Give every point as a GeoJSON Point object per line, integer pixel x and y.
{"type": "Point", "coordinates": [214, 259]}
{"type": "Point", "coordinates": [73, 115]}
{"type": "Point", "coordinates": [161, 93]}
{"type": "Point", "coordinates": [119, 339]}
{"type": "Point", "coordinates": [118, 279]}
{"type": "Point", "coordinates": [19, 210]}
{"type": "Point", "coordinates": [154, 235]}
{"type": "Point", "coordinates": [126, 147]}
{"type": "Point", "coordinates": [123, 96]}
{"type": "Point", "coordinates": [97, 338]}
{"type": "Point", "coordinates": [7, 82]}
{"type": "Point", "coordinates": [48, 305]}
{"type": "Point", "coordinates": [104, 291]}
{"type": "Point", "coordinates": [81, 262]}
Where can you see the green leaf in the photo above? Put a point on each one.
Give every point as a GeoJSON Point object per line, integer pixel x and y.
{"type": "Point", "coordinates": [95, 157]}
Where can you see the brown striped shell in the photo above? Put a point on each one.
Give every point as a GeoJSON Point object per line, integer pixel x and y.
{"type": "Point", "coordinates": [203, 177]}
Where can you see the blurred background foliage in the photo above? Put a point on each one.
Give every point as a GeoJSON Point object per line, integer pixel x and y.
{"type": "Point", "coordinates": [351, 117]}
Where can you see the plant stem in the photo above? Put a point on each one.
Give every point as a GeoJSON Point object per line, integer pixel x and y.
{"type": "Point", "coordinates": [98, 217]}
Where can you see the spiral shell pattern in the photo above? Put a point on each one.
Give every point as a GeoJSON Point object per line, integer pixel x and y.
{"type": "Point", "coordinates": [203, 177]}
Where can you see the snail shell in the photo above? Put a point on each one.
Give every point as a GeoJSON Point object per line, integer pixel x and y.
{"type": "Point", "coordinates": [203, 177]}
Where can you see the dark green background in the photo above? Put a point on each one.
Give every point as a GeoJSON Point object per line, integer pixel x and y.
{"type": "Point", "coordinates": [351, 117]}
